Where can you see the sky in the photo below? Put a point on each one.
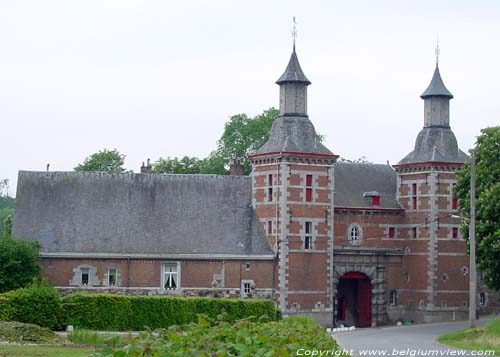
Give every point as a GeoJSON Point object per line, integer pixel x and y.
{"type": "Point", "coordinates": [160, 78]}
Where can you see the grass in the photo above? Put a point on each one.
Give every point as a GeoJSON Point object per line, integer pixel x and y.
{"type": "Point", "coordinates": [477, 339]}
{"type": "Point", "coordinates": [44, 351]}
{"type": "Point", "coordinates": [95, 339]}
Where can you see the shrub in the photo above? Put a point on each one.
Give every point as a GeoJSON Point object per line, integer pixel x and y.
{"type": "Point", "coordinates": [248, 337]}
{"type": "Point", "coordinates": [39, 305]}
{"type": "Point", "coordinates": [27, 333]}
{"type": "Point", "coordinates": [18, 263]}
{"type": "Point", "coordinates": [126, 313]}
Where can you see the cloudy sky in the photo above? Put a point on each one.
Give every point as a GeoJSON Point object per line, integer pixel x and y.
{"type": "Point", "coordinates": [160, 78]}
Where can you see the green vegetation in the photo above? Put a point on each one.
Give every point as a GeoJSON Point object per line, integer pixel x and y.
{"type": "Point", "coordinates": [7, 205]}
{"type": "Point", "coordinates": [105, 160]}
{"type": "Point", "coordinates": [134, 313]}
{"type": "Point", "coordinates": [45, 351]}
{"type": "Point", "coordinates": [487, 203]}
{"type": "Point", "coordinates": [36, 304]}
{"type": "Point", "coordinates": [18, 263]}
{"type": "Point", "coordinates": [17, 332]}
{"type": "Point", "coordinates": [477, 339]}
{"type": "Point", "coordinates": [248, 337]}
{"type": "Point", "coordinates": [96, 339]}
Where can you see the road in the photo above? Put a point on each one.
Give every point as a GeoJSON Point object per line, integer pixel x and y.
{"type": "Point", "coordinates": [415, 340]}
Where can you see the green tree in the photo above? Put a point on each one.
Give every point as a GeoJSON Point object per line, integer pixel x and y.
{"type": "Point", "coordinates": [105, 160]}
{"type": "Point", "coordinates": [18, 263]}
{"type": "Point", "coordinates": [7, 226]}
{"type": "Point", "coordinates": [487, 203]}
{"type": "Point", "coordinates": [185, 165]}
{"type": "Point", "coordinates": [7, 205]}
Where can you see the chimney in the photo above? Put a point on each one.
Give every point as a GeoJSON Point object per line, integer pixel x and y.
{"type": "Point", "coordinates": [236, 168]}
{"type": "Point", "coordinates": [146, 169]}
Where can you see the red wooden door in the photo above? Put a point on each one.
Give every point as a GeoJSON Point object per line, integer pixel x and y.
{"type": "Point", "coordinates": [364, 303]}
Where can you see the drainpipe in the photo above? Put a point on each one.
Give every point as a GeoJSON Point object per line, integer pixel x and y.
{"type": "Point", "coordinates": [128, 274]}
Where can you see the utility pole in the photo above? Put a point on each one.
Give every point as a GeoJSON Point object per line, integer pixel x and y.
{"type": "Point", "coordinates": [472, 243]}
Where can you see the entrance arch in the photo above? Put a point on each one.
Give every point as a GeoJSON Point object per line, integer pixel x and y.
{"type": "Point", "coordinates": [354, 293]}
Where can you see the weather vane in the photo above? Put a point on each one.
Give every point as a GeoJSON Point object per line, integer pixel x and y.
{"type": "Point", "coordinates": [294, 32]}
{"type": "Point", "coordinates": [437, 51]}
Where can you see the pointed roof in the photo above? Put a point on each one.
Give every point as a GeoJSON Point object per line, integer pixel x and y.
{"type": "Point", "coordinates": [293, 72]}
{"type": "Point", "coordinates": [436, 88]}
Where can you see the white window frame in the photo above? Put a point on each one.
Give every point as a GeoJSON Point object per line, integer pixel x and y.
{"type": "Point", "coordinates": [108, 276]}
{"type": "Point", "coordinates": [358, 236]}
{"type": "Point", "coordinates": [246, 287]}
{"type": "Point", "coordinates": [177, 274]}
{"type": "Point", "coordinates": [393, 298]}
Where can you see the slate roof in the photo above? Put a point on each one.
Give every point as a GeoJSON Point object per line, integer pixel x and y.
{"type": "Point", "coordinates": [293, 134]}
{"type": "Point", "coordinates": [293, 72]}
{"type": "Point", "coordinates": [353, 180]}
{"type": "Point", "coordinates": [93, 212]}
{"type": "Point", "coordinates": [436, 88]}
{"type": "Point", "coordinates": [435, 144]}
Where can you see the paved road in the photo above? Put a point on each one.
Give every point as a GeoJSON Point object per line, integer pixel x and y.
{"type": "Point", "coordinates": [401, 341]}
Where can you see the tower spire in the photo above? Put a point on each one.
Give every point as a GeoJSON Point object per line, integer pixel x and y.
{"type": "Point", "coordinates": [294, 33]}
{"type": "Point", "coordinates": [437, 51]}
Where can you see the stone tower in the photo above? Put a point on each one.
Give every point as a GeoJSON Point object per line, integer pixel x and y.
{"type": "Point", "coordinates": [293, 196]}
{"type": "Point", "coordinates": [434, 247]}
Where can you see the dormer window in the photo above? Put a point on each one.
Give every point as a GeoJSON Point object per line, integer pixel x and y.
{"type": "Point", "coordinates": [373, 197]}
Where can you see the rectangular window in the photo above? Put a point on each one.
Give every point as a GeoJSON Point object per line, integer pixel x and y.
{"type": "Point", "coordinates": [392, 232]}
{"type": "Point", "coordinates": [414, 232]}
{"type": "Point", "coordinates": [247, 288]}
{"type": "Point", "coordinates": [309, 190]}
{"type": "Point", "coordinates": [308, 243]}
{"type": "Point", "coordinates": [414, 196]}
{"type": "Point", "coordinates": [308, 236]}
{"type": "Point", "coordinates": [170, 276]}
{"type": "Point", "coordinates": [85, 276]}
{"type": "Point", "coordinates": [269, 227]}
{"type": "Point", "coordinates": [375, 200]}
{"type": "Point", "coordinates": [112, 277]}
{"type": "Point", "coordinates": [270, 188]}
{"type": "Point", "coordinates": [454, 233]}
{"type": "Point", "coordinates": [454, 204]}
{"type": "Point", "coordinates": [309, 194]}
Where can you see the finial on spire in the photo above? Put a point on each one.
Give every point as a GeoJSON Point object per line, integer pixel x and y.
{"type": "Point", "coordinates": [437, 51]}
{"type": "Point", "coordinates": [294, 32]}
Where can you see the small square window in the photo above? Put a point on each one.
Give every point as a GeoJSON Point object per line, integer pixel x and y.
{"type": "Point", "coordinates": [170, 276]}
{"type": "Point", "coordinates": [375, 200]}
{"type": "Point", "coordinates": [247, 288]}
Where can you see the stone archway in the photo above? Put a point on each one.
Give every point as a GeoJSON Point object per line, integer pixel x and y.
{"type": "Point", "coordinates": [354, 292]}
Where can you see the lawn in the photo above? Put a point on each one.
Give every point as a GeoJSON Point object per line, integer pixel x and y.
{"type": "Point", "coordinates": [44, 351]}
{"type": "Point", "coordinates": [478, 339]}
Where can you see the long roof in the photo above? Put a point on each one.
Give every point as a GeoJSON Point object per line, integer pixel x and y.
{"type": "Point", "coordinates": [93, 212]}
{"type": "Point", "coordinates": [353, 180]}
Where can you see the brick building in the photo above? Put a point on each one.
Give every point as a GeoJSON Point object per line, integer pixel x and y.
{"type": "Point", "coordinates": [365, 244]}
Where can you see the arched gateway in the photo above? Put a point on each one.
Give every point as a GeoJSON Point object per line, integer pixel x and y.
{"type": "Point", "coordinates": [354, 293]}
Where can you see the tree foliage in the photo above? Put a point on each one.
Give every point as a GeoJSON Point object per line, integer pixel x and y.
{"type": "Point", "coordinates": [7, 205]}
{"type": "Point", "coordinates": [105, 160]}
{"type": "Point", "coordinates": [18, 263]}
{"type": "Point", "coordinates": [487, 203]}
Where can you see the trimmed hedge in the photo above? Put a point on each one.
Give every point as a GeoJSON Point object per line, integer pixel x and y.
{"type": "Point", "coordinates": [35, 305]}
{"type": "Point", "coordinates": [126, 313]}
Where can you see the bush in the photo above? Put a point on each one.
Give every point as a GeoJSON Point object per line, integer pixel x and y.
{"type": "Point", "coordinates": [128, 313]}
{"type": "Point", "coordinates": [18, 263]}
{"type": "Point", "coordinates": [248, 337]}
{"type": "Point", "coordinates": [39, 305]}
{"type": "Point", "coordinates": [18, 332]}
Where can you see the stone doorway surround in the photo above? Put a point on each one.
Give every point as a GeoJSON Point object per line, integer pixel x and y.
{"type": "Point", "coordinates": [373, 263]}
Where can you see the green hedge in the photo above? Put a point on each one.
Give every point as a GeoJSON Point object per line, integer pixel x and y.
{"type": "Point", "coordinates": [35, 305]}
{"type": "Point", "coordinates": [125, 313]}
